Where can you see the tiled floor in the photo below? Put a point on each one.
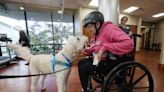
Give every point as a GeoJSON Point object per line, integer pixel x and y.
{"type": "Point", "coordinates": [149, 58]}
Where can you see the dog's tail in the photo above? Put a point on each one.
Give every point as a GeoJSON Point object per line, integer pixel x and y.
{"type": "Point", "coordinates": [24, 52]}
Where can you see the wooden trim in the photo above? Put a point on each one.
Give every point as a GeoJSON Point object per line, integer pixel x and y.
{"type": "Point", "coordinates": [160, 66]}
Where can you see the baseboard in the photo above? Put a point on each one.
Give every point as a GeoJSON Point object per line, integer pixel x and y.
{"type": "Point", "coordinates": [161, 66]}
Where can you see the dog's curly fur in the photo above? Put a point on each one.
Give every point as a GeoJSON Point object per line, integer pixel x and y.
{"type": "Point", "coordinates": [41, 63]}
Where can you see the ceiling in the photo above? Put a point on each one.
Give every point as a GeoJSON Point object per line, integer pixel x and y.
{"type": "Point", "coordinates": [147, 7]}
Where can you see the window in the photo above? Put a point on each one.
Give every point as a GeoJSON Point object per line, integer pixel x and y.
{"type": "Point", "coordinates": [10, 24]}
{"type": "Point", "coordinates": [43, 35]}
{"type": "Point", "coordinates": [63, 27]}
{"type": "Point", "coordinates": [40, 31]}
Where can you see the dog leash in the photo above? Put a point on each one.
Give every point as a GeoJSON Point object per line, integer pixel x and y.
{"type": "Point", "coordinates": [19, 76]}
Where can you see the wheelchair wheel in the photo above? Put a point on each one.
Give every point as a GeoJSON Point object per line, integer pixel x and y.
{"type": "Point", "coordinates": [128, 77]}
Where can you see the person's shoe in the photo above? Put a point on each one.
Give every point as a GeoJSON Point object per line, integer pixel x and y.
{"type": "Point", "coordinates": [27, 63]}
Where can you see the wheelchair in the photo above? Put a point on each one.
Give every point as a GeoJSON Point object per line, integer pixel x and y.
{"type": "Point", "coordinates": [127, 76]}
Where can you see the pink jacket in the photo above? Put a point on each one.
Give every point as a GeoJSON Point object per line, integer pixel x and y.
{"type": "Point", "coordinates": [111, 38]}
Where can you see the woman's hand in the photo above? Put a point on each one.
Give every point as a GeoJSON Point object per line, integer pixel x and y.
{"type": "Point", "coordinates": [82, 53]}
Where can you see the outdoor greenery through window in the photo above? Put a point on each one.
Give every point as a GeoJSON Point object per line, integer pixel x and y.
{"type": "Point", "coordinates": [45, 37]}
{"type": "Point", "coordinates": [47, 31]}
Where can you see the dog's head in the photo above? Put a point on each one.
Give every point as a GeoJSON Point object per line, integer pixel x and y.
{"type": "Point", "coordinates": [79, 42]}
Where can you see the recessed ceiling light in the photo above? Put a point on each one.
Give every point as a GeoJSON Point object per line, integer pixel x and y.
{"type": "Point", "coordinates": [22, 8]}
{"type": "Point", "coordinates": [94, 3]}
{"type": "Point", "coordinates": [131, 9]}
{"type": "Point", "coordinates": [158, 15]}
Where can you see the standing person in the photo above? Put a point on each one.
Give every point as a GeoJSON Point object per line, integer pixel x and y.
{"type": "Point", "coordinates": [23, 40]}
{"type": "Point", "coordinates": [107, 37]}
{"type": "Point", "coordinates": [124, 27]}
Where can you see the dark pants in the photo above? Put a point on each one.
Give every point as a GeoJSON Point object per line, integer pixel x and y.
{"type": "Point", "coordinates": [86, 68]}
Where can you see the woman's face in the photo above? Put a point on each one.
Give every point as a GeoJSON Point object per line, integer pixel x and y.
{"type": "Point", "coordinates": [124, 20]}
{"type": "Point", "coordinates": [91, 29]}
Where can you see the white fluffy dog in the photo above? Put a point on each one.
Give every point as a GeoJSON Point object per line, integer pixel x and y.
{"type": "Point", "coordinates": [42, 63]}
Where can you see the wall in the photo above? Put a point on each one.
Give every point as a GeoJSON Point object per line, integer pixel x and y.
{"type": "Point", "coordinates": [159, 32]}
{"type": "Point", "coordinates": [144, 31]}
{"type": "Point", "coordinates": [80, 14]}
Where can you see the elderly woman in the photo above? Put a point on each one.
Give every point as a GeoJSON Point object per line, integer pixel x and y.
{"type": "Point", "coordinates": [107, 37]}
